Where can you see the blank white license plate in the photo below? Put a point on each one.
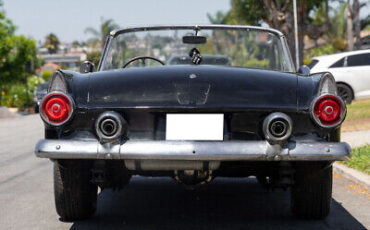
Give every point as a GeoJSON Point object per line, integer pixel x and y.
{"type": "Point", "coordinates": [195, 127]}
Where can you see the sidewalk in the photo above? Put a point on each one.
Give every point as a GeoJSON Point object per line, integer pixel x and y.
{"type": "Point", "coordinates": [7, 113]}
{"type": "Point", "coordinates": [356, 138]}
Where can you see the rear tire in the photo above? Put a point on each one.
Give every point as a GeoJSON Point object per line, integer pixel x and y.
{"type": "Point", "coordinates": [75, 195]}
{"type": "Point", "coordinates": [345, 92]}
{"type": "Point", "coordinates": [312, 192]}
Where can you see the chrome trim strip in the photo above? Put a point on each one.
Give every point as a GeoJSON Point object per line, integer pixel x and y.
{"type": "Point", "coordinates": [193, 150]}
{"type": "Point", "coordinates": [115, 33]}
{"type": "Point", "coordinates": [288, 55]}
{"type": "Point", "coordinates": [104, 53]}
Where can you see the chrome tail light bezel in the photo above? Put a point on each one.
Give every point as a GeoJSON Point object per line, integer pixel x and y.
{"type": "Point", "coordinates": [43, 115]}
{"type": "Point", "coordinates": [342, 114]}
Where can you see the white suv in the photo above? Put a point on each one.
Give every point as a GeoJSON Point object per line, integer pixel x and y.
{"type": "Point", "coordinates": [351, 71]}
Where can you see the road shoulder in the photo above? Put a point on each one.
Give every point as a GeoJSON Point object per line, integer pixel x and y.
{"type": "Point", "coordinates": [352, 174]}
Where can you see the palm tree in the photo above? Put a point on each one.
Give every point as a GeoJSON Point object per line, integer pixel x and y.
{"type": "Point", "coordinates": [338, 29]}
{"type": "Point", "coordinates": [52, 43]}
{"type": "Point", "coordinates": [218, 18]}
{"type": "Point", "coordinates": [105, 28]}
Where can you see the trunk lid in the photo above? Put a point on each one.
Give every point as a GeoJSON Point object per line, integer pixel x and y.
{"type": "Point", "coordinates": [193, 87]}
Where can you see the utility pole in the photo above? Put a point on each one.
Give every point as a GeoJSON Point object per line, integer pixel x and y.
{"type": "Point", "coordinates": [296, 33]}
{"type": "Point", "coordinates": [28, 69]}
{"type": "Point", "coordinates": [349, 27]}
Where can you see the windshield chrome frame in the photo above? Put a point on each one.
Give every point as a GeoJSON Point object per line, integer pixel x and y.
{"type": "Point", "coordinates": [279, 34]}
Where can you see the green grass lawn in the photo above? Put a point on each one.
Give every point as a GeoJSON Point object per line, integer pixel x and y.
{"type": "Point", "coordinates": [358, 110]}
{"type": "Point", "coordinates": [358, 116]}
{"type": "Point", "coordinates": [360, 159]}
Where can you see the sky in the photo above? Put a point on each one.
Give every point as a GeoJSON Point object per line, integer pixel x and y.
{"type": "Point", "coordinates": [68, 19]}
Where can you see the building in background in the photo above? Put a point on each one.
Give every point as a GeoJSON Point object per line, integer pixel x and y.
{"type": "Point", "coordinates": [69, 61]}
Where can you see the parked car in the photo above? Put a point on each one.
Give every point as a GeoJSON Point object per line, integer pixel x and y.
{"type": "Point", "coordinates": [39, 94]}
{"type": "Point", "coordinates": [192, 122]}
{"type": "Point", "coordinates": [351, 71]}
{"type": "Point", "coordinates": [365, 42]}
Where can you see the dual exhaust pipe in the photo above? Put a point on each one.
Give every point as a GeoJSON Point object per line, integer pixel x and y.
{"type": "Point", "coordinates": [277, 127]}
{"type": "Point", "coordinates": [110, 126]}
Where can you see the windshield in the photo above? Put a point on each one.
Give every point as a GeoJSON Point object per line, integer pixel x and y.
{"type": "Point", "coordinates": [228, 46]}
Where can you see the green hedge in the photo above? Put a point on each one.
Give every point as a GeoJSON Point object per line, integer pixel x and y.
{"type": "Point", "coordinates": [16, 95]}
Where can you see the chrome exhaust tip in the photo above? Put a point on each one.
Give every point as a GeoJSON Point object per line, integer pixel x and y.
{"type": "Point", "coordinates": [109, 126]}
{"type": "Point", "coordinates": [277, 127]}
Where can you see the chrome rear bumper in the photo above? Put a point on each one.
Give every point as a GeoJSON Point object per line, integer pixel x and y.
{"type": "Point", "coordinates": [193, 150]}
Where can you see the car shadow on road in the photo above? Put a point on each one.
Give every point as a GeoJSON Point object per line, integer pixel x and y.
{"type": "Point", "coordinates": [159, 203]}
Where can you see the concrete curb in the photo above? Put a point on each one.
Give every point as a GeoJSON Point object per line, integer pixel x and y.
{"type": "Point", "coordinates": [353, 174]}
{"type": "Point", "coordinates": [5, 112]}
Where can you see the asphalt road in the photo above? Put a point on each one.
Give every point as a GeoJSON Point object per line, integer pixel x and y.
{"type": "Point", "coordinates": [27, 202]}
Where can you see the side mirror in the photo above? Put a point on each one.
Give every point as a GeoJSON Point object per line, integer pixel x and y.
{"type": "Point", "coordinates": [304, 70]}
{"type": "Point", "coordinates": [87, 67]}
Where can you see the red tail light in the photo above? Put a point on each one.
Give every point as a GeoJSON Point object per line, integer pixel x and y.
{"type": "Point", "coordinates": [328, 110]}
{"type": "Point", "coordinates": [56, 108]}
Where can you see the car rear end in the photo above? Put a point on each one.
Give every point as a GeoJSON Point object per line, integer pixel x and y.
{"type": "Point", "coordinates": [196, 136]}
{"type": "Point", "coordinates": [193, 123]}
{"type": "Point", "coordinates": [205, 120]}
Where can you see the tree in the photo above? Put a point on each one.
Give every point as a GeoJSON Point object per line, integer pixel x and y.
{"type": "Point", "coordinates": [94, 57]}
{"type": "Point", "coordinates": [220, 18]}
{"type": "Point", "coordinates": [76, 44]}
{"type": "Point", "coordinates": [15, 53]}
{"type": "Point", "coordinates": [278, 14]}
{"type": "Point", "coordinates": [357, 22]}
{"type": "Point", "coordinates": [354, 13]}
{"type": "Point", "coordinates": [100, 35]}
{"type": "Point", "coordinates": [52, 43]}
{"type": "Point", "coordinates": [6, 33]}
{"type": "Point", "coordinates": [365, 22]}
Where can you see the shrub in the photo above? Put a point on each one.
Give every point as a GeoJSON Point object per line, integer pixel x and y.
{"type": "Point", "coordinates": [17, 96]}
{"type": "Point", "coordinates": [306, 61]}
{"type": "Point", "coordinates": [340, 44]}
{"type": "Point", "coordinates": [46, 75]}
{"type": "Point", "coordinates": [259, 64]}
{"type": "Point", "coordinates": [4, 98]}
{"type": "Point", "coordinates": [318, 51]}
{"type": "Point", "coordinates": [94, 57]}
{"type": "Point", "coordinates": [34, 81]}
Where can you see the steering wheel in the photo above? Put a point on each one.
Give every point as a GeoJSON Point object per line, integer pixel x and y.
{"type": "Point", "coordinates": [143, 58]}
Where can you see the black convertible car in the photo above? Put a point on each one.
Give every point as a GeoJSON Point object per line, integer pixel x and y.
{"type": "Point", "coordinates": [252, 114]}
